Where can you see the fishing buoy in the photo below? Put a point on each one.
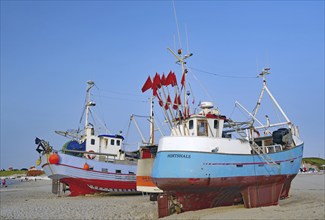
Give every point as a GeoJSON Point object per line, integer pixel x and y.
{"type": "Point", "coordinates": [54, 158]}
{"type": "Point", "coordinates": [38, 162]}
{"type": "Point", "coordinates": [86, 166]}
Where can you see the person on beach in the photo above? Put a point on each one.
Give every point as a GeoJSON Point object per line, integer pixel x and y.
{"type": "Point", "coordinates": [4, 183]}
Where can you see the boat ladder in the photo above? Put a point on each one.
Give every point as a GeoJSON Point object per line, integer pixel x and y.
{"type": "Point", "coordinates": [265, 157]}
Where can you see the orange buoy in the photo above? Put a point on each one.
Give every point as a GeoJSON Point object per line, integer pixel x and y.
{"type": "Point", "coordinates": [86, 166]}
{"type": "Point", "coordinates": [54, 158]}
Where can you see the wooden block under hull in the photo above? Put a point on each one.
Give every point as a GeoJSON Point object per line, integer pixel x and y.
{"type": "Point", "coordinates": [263, 195]}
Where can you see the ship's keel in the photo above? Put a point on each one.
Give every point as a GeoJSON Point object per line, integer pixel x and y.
{"type": "Point", "coordinates": [78, 188]}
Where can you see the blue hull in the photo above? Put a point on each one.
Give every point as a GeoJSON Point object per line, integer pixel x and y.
{"type": "Point", "coordinates": [198, 180]}
{"type": "Point", "coordinates": [175, 164]}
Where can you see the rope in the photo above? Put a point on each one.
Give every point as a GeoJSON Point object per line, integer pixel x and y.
{"type": "Point", "coordinates": [101, 108]}
{"type": "Point", "coordinates": [124, 99]}
{"type": "Point", "coordinates": [223, 75]}
{"type": "Point", "coordinates": [203, 87]}
{"type": "Point", "coordinates": [276, 111]}
{"type": "Point", "coordinates": [127, 132]}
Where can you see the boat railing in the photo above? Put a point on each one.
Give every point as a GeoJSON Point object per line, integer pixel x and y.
{"type": "Point", "coordinates": [265, 157]}
{"type": "Point", "coordinates": [93, 153]}
{"type": "Point", "coordinates": [104, 157]}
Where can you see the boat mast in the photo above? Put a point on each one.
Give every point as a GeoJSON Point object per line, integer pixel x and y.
{"type": "Point", "coordinates": [181, 60]}
{"type": "Point", "coordinates": [152, 125]}
{"type": "Point", "coordinates": [88, 103]}
{"type": "Point", "coordinates": [265, 72]}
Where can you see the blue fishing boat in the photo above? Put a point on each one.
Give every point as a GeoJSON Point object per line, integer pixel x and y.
{"type": "Point", "coordinates": [211, 160]}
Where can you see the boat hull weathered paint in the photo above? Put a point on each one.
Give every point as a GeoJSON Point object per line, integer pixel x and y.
{"type": "Point", "coordinates": [101, 177]}
{"type": "Point", "coordinates": [143, 176]}
{"type": "Point", "coordinates": [198, 180]}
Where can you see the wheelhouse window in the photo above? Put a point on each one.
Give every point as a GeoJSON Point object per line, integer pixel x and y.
{"type": "Point", "coordinates": [118, 142]}
{"type": "Point", "coordinates": [190, 124]}
{"type": "Point", "coordinates": [216, 124]}
{"type": "Point", "coordinates": [202, 128]}
{"type": "Point", "coordinates": [112, 142]}
{"type": "Point", "coordinates": [92, 141]}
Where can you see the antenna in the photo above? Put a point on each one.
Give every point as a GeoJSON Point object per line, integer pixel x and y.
{"type": "Point", "coordinates": [257, 65]}
{"type": "Point", "coordinates": [179, 35]}
{"type": "Point", "coordinates": [188, 49]}
{"type": "Point", "coordinates": [265, 71]}
{"type": "Point", "coordinates": [267, 57]}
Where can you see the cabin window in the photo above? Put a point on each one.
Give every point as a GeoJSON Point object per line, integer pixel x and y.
{"type": "Point", "coordinates": [216, 124]}
{"type": "Point", "coordinates": [202, 128]}
{"type": "Point", "coordinates": [131, 172]}
{"type": "Point", "coordinates": [118, 142]}
{"type": "Point", "coordinates": [112, 142]}
{"type": "Point", "coordinates": [118, 171]}
{"type": "Point", "coordinates": [191, 124]}
{"type": "Point", "coordinates": [92, 141]}
{"type": "Point", "coordinates": [104, 170]}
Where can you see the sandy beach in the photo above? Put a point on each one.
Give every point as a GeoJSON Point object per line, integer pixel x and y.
{"type": "Point", "coordinates": [34, 200]}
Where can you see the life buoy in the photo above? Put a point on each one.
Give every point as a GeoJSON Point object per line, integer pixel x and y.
{"type": "Point", "coordinates": [91, 156]}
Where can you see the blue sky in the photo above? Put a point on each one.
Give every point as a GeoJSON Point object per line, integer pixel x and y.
{"type": "Point", "coordinates": [50, 49]}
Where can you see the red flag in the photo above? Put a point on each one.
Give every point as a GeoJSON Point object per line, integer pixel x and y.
{"type": "Point", "coordinates": [157, 81]}
{"type": "Point", "coordinates": [156, 84]}
{"type": "Point", "coordinates": [175, 106]}
{"type": "Point", "coordinates": [177, 101]}
{"type": "Point", "coordinates": [168, 102]}
{"type": "Point", "coordinates": [147, 85]}
{"type": "Point", "coordinates": [166, 106]}
{"type": "Point", "coordinates": [174, 80]}
{"type": "Point", "coordinates": [163, 80]}
{"type": "Point", "coordinates": [169, 79]}
{"type": "Point", "coordinates": [183, 79]}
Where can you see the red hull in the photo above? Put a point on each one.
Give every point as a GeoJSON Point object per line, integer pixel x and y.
{"type": "Point", "coordinates": [79, 186]}
{"type": "Point", "coordinates": [195, 194]}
